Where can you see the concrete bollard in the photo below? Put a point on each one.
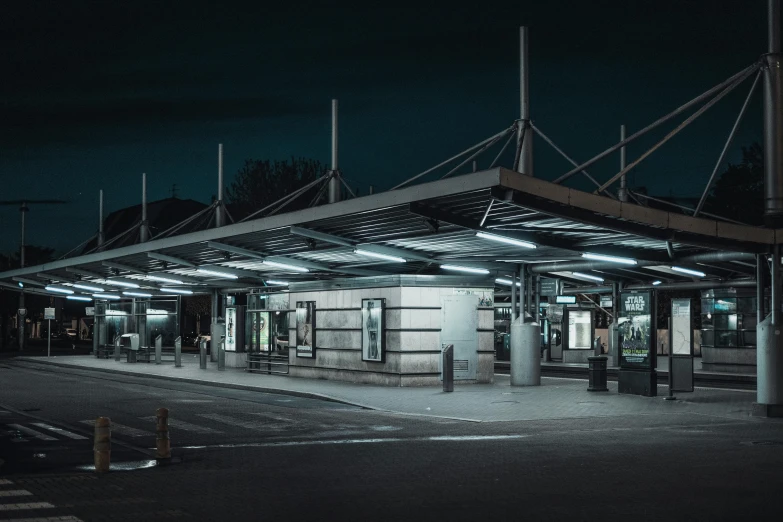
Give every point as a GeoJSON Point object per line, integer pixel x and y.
{"type": "Point", "coordinates": [162, 442]}
{"type": "Point", "coordinates": [102, 445]}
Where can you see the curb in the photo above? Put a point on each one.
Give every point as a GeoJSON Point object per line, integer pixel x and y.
{"type": "Point", "coordinates": [214, 384]}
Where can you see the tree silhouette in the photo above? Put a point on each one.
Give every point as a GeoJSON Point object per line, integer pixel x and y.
{"type": "Point", "coordinates": [739, 192]}
{"type": "Point", "coordinates": [261, 182]}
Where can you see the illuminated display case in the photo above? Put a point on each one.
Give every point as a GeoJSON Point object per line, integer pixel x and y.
{"type": "Point", "coordinates": [728, 318]}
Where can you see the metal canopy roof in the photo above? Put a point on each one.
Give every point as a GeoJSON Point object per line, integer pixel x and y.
{"type": "Point", "coordinates": [427, 225]}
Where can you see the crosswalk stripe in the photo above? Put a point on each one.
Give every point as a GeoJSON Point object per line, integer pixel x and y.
{"type": "Point", "coordinates": [29, 431]}
{"type": "Point", "coordinates": [27, 505]}
{"type": "Point", "coordinates": [15, 493]}
{"type": "Point", "coordinates": [231, 421]}
{"type": "Point", "coordinates": [186, 426]}
{"type": "Point", "coordinates": [124, 430]}
{"type": "Point", "coordinates": [67, 518]}
{"type": "Point", "coordinates": [60, 431]}
{"type": "Point", "coordinates": [5, 482]}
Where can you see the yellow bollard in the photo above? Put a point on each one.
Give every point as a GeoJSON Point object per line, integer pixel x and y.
{"type": "Point", "coordinates": [102, 446]}
{"type": "Point", "coordinates": [162, 434]}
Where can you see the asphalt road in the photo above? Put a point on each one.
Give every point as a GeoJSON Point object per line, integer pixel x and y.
{"type": "Point", "coordinates": [242, 455]}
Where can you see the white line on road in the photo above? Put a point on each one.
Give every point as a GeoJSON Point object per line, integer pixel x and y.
{"type": "Point", "coordinates": [67, 518]}
{"type": "Point", "coordinates": [5, 482]}
{"type": "Point", "coordinates": [36, 434]}
{"type": "Point", "coordinates": [15, 493]}
{"type": "Point", "coordinates": [60, 431]}
{"type": "Point", "coordinates": [362, 441]}
{"type": "Point", "coordinates": [182, 425]}
{"type": "Point", "coordinates": [231, 421]}
{"type": "Point", "coordinates": [122, 429]}
{"type": "Point", "coordinates": [28, 505]}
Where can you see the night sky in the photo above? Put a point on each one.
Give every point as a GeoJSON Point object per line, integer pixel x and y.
{"type": "Point", "coordinates": [95, 93]}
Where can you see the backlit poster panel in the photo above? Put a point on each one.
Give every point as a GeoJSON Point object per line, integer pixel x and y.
{"type": "Point", "coordinates": [635, 330]}
{"type": "Point", "coordinates": [305, 329]}
{"type": "Point", "coordinates": [580, 329]}
{"type": "Point", "coordinates": [372, 329]}
{"type": "Point", "coordinates": [682, 329]}
{"type": "Point", "coordinates": [231, 327]}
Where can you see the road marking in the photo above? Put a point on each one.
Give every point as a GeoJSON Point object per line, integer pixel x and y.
{"type": "Point", "coordinates": [122, 429]}
{"type": "Point", "coordinates": [182, 425]}
{"type": "Point", "coordinates": [361, 441]}
{"type": "Point", "coordinates": [231, 421]}
{"type": "Point", "coordinates": [5, 482]}
{"type": "Point", "coordinates": [15, 493]}
{"type": "Point", "coordinates": [67, 518]}
{"type": "Point", "coordinates": [28, 505]}
{"type": "Point", "coordinates": [59, 431]}
{"type": "Point", "coordinates": [36, 434]}
{"type": "Point", "coordinates": [280, 418]}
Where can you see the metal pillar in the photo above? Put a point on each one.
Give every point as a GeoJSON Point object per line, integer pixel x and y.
{"type": "Point", "coordinates": [769, 352]}
{"type": "Point", "coordinates": [761, 261]}
{"type": "Point", "coordinates": [21, 319]}
{"type": "Point", "coordinates": [513, 296]}
{"type": "Point", "coordinates": [144, 232]}
{"type": "Point", "coordinates": [213, 343]}
{"type": "Point", "coordinates": [622, 193]}
{"type": "Point", "coordinates": [101, 236]}
{"type": "Point", "coordinates": [529, 294]}
{"type": "Point", "coordinates": [526, 157]}
{"type": "Point", "coordinates": [219, 210]}
{"type": "Point", "coordinates": [537, 286]}
{"type": "Point", "coordinates": [773, 120]}
{"type": "Point", "coordinates": [334, 182]}
{"type": "Point", "coordinates": [522, 291]}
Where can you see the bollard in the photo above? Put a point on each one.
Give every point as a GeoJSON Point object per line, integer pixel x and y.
{"type": "Point", "coordinates": [448, 368]}
{"type": "Point", "coordinates": [159, 349]}
{"type": "Point", "coordinates": [222, 355]}
{"type": "Point", "coordinates": [162, 442]}
{"type": "Point", "coordinates": [178, 352]}
{"type": "Point", "coordinates": [117, 344]}
{"type": "Point", "coordinates": [102, 445]}
{"type": "Point", "coordinates": [202, 351]}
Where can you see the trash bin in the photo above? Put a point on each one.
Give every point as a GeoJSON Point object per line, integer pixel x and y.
{"type": "Point", "coordinates": [597, 374]}
{"type": "Point", "coordinates": [504, 349]}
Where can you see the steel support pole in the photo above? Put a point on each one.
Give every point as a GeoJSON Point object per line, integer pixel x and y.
{"type": "Point", "coordinates": [21, 320]}
{"type": "Point", "coordinates": [537, 286]}
{"type": "Point", "coordinates": [526, 157]}
{"type": "Point", "coordinates": [622, 193]}
{"type": "Point", "coordinates": [761, 261]}
{"type": "Point", "coordinates": [773, 120]}
{"type": "Point", "coordinates": [522, 291]}
{"type": "Point", "coordinates": [334, 183]}
{"type": "Point", "coordinates": [219, 210]}
{"type": "Point", "coordinates": [529, 294]}
{"type": "Point", "coordinates": [215, 309]}
{"type": "Point", "coordinates": [144, 231]}
{"type": "Point", "coordinates": [513, 296]}
{"type": "Point", "coordinates": [49, 340]}
{"type": "Point", "coordinates": [101, 236]}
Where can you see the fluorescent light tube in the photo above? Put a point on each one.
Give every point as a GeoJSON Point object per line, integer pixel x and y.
{"type": "Point", "coordinates": [588, 276]}
{"type": "Point", "coordinates": [611, 259]}
{"type": "Point", "coordinates": [216, 273]}
{"type": "Point", "coordinates": [122, 283]}
{"type": "Point", "coordinates": [177, 291]}
{"type": "Point", "coordinates": [59, 289]}
{"type": "Point", "coordinates": [506, 282]}
{"type": "Point", "coordinates": [379, 256]}
{"type": "Point", "coordinates": [165, 279]}
{"type": "Point", "coordinates": [507, 240]}
{"type": "Point", "coordinates": [88, 287]}
{"type": "Point", "coordinates": [106, 296]}
{"type": "Point", "coordinates": [656, 283]}
{"type": "Point", "coordinates": [468, 269]}
{"type": "Point", "coordinates": [688, 271]}
{"type": "Point", "coordinates": [137, 294]}
{"type": "Point", "coordinates": [286, 266]}
{"type": "Point", "coordinates": [275, 283]}
{"type": "Point", "coordinates": [78, 298]}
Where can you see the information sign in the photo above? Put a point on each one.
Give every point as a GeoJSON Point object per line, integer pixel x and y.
{"type": "Point", "coordinates": [231, 324]}
{"type": "Point", "coordinates": [606, 302]}
{"type": "Point", "coordinates": [305, 329]}
{"type": "Point", "coordinates": [565, 299]}
{"type": "Point", "coordinates": [682, 330]}
{"type": "Point", "coordinates": [49, 313]}
{"type": "Point", "coordinates": [549, 286]}
{"type": "Point", "coordinates": [88, 310]}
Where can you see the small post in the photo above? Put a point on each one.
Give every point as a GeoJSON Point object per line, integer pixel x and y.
{"type": "Point", "coordinates": [372, 190]}
{"type": "Point", "coordinates": [178, 352]}
{"type": "Point", "coordinates": [222, 353]}
{"type": "Point", "coordinates": [159, 349]}
{"type": "Point", "coordinates": [202, 351]}
{"type": "Point", "coordinates": [49, 341]}
{"type": "Point", "coordinates": [448, 368]}
{"type": "Point", "coordinates": [162, 441]}
{"type": "Point", "coordinates": [671, 396]}
{"type": "Point", "coordinates": [102, 445]}
{"type": "Point", "coordinates": [117, 344]}
{"type": "Point", "coordinates": [525, 132]}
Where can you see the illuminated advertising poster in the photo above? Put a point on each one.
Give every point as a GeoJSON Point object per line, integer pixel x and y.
{"type": "Point", "coordinates": [635, 330]}
{"type": "Point", "coordinates": [262, 324]}
{"type": "Point", "coordinates": [580, 329]}
{"type": "Point", "coordinates": [372, 330]}
{"type": "Point", "coordinates": [231, 326]}
{"type": "Point", "coordinates": [305, 329]}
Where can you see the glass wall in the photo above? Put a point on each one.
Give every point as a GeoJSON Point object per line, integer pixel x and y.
{"type": "Point", "coordinates": [728, 318]}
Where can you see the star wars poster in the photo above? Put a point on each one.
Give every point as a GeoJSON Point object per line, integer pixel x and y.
{"type": "Point", "coordinates": [635, 330]}
{"type": "Point", "coordinates": [372, 329]}
{"type": "Point", "coordinates": [305, 329]}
